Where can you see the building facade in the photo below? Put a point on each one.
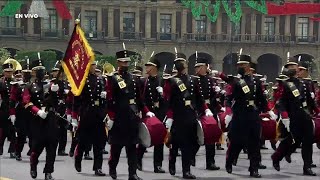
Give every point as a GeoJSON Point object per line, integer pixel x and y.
{"type": "Point", "coordinates": [161, 25]}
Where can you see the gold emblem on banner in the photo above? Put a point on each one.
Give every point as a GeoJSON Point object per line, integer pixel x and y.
{"type": "Point", "coordinates": [187, 103]}
{"type": "Point", "coordinates": [182, 87]}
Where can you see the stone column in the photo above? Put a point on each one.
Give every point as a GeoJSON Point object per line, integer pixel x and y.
{"type": "Point", "coordinates": [110, 22]}
{"type": "Point", "coordinates": [137, 20]}
{"type": "Point", "coordinates": [148, 23]}
{"type": "Point", "coordinates": [184, 22]}
{"type": "Point", "coordinates": [173, 22]}
{"type": "Point", "coordinates": [287, 26]}
{"type": "Point", "coordinates": [99, 20]}
{"type": "Point", "coordinates": [219, 24]}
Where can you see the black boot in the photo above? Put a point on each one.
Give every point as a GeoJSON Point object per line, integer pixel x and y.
{"type": "Point", "coordinates": [188, 175]}
{"type": "Point", "coordinates": [288, 158]}
{"type": "Point", "coordinates": [273, 146]}
{"type": "Point", "coordinates": [12, 155]}
{"type": "Point", "coordinates": [308, 172]}
{"type": "Point", "coordinates": [313, 165]}
{"type": "Point", "coordinates": [88, 157]}
{"type": "Point", "coordinates": [134, 177]}
{"type": "Point", "coordinates": [62, 153]}
{"type": "Point", "coordinates": [48, 176]}
{"type": "Point", "coordinates": [18, 157]}
{"type": "Point", "coordinates": [219, 147]}
{"type": "Point", "coordinates": [172, 168]}
{"type": "Point", "coordinates": [139, 164]}
{"type": "Point", "coordinates": [1, 151]}
{"type": "Point", "coordinates": [71, 153]}
{"type": "Point", "coordinates": [261, 166]}
{"type": "Point", "coordinates": [229, 168]}
{"type": "Point", "coordinates": [193, 162]}
{"type": "Point", "coordinates": [105, 152]}
{"type": "Point", "coordinates": [77, 166]}
{"type": "Point", "coordinates": [235, 162]}
{"type": "Point", "coordinates": [318, 145]}
{"type": "Point", "coordinates": [212, 166]}
{"type": "Point", "coordinates": [33, 172]}
{"type": "Point", "coordinates": [99, 172]}
{"type": "Point", "coordinates": [113, 173]}
{"type": "Point", "coordinates": [276, 165]}
{"type": "Point", "coordinates": [158, 169]}
{"type": "Point", "coordinates": [29, 152]}
{"type": "Point", "coordinates": [255, 174]}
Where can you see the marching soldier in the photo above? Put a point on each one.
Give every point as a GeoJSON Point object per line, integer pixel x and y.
{"type": "Point", "coordinates": [310, 84]}
{"type": "Point", "coordinates": [152, 93]}
{"type": "Point", "coordinates": [295, 115]}
{"type": "Point", "coordinates": [90, 108]}
{"type": "Point", "coordinates": [124, 106]}
{"type": "Point", "coordinates": [183, 96]}
{"type": "Point", "coordinates": [62, 123]}
{"type": "Point", "coordinates": [18, 111]}
{"type": "Point", "coordinates": [6, 120]}
{"type": "Point", "coordinates": [245, 97]}
{"type": "Point", "coordinates": [205, 83]}
{"type": "Point", "coordinates": [43, 124]}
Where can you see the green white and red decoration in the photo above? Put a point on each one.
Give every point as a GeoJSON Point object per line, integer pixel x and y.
{"type": "Point", "coordinates": [234, 9]}
{"type": "Point", "coordinates": [37, 7]}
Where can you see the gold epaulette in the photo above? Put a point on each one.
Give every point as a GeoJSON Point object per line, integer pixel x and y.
{"type": "Point", "coordinates": [27, 105]}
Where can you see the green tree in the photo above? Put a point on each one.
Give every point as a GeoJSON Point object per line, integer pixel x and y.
{"type": "Point", "coordinates": [48, 57]}
{"type": "Point", "coordinates": [102, 59]}
{"type": "Point", "coordinates": [4, 55]}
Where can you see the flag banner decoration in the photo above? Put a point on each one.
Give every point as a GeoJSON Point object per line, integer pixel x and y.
{"type": "Point", "coordinates": [37, 7]}
{"type": "Point", "coordinates": [77, 60]}
{"type": "Point", "coordinates": [62, 9]}
{"type": "Point", "coordinates": [234, 8]}
{"type": "Point", "coordinates": [11, 8]}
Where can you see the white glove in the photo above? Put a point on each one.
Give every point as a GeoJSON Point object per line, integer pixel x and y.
{"type": "Point", "coordinates": [286, 123]}
{"type": "Point", "coordinates": [228, 119]}
{"type": "Point", "coordinates": [208, 112]}
{"type": "Point", "coordinates": [110, 124]}
{"type": "Point", "coordinates": [223, 109]}
{"type": "Point", "coordinates": [223, 91]}
{"type": "Point", "coordinates": [159, 89]}
{"type": "Point", "coordinates": [312, 95]}
{"type": "Point", "coordinates": [74, 122]}
{"type": "Point", "coordinates": [103, 94]}
{"type": "Point", "coordinates": [54, 87]}
{"type": "Point", "coordinates": [13, 119]}
{"type": "Point", "coordinates": [265, 92]}
{"type": "Point", "coordinates": [66, 91]}
{"type": "Point", "coordinates": [0, 102]}
{"type": "Point", "coordinates": [169, 123]}
{"type": "Point", "coordinates": [273, 115]}
{"type": "Point", "coordinates": [69, 118]}
{"type": "Point", "coordinates": [217, 89]}
{"type": "Point", "coordinates": [214, 72]}
{"type": "Point", "coordinates": [42, 114]}
{"type": "Point", "coordinates": [150, 114]}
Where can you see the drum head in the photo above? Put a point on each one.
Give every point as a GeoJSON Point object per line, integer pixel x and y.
{"type": "Point", "coordinates": [200, 134]}
{"type": "Point", "coordinates": [144, 135]}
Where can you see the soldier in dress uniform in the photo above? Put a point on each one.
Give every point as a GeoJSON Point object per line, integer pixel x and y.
{"type": "Point", "coordinates": [61, 95]}
{"type": "Point", "coordinates": [89, 109]}
{"type": "Point", "coordinates": [43, 124]}
{"type": "Point", "coordinates": [18, 112]}
{"type": "Point", "coordinates": [6, 121]}
{"type": "Point", "coordinates": [295, 115]}
{"type": "Point", "coordinates": [152, 93]}
{"type": "Point", "coordinates": [304, 75]}
{"type": "Point", "coordinates": [207, 92]}
{"type": "Point", "coordinates": [245, 97]}
{"type": "Point", "coordinates": [124, 106]}
{"type": "Point", "coordinates": [183, 94]}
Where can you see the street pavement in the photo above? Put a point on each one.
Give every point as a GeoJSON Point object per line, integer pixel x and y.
{"type": "Point", "coordinates": [64, 169]}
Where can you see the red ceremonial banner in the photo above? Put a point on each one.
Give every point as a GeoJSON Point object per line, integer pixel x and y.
{"type": "Point", "coordinates": [293, 8]}
{"type": "Point", "coordinates": [77, 60]}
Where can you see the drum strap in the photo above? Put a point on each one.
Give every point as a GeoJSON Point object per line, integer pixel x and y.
{"type": "Point", "coordinates": [183, 89]}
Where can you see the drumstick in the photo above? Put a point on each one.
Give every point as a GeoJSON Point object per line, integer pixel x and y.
{"type": "Point", "coordinates": [219, 122]}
